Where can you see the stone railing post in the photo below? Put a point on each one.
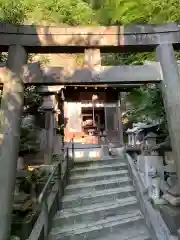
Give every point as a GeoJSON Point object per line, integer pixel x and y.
{"type": "Point", "coordinates": [11, 111]}
{"type": "Point", "coordinates": [49, 107]}
{"type": "Point", "coordinates": [61, 118]}
{"type": "Point", "coordinates": [119, 116]}
{"type": "Point", "coordinates": [49, 126]}
{"type": "Point", "coordinates": [171, 96]}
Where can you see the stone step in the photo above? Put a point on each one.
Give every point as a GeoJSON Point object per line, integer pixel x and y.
{"type": "Point", "coordinates": [85, 198]}
{"type": "Point", "coordinates": [131, 233]}
{"type": "Point", "coordinates": [95, 212]}
{"type": "Point", "coordinates": [89, 177]}
{"type": "Point", "coordinates": [99, 228]}
{"type": "Point", "coordinates": [102, 161]}
{"type": "Point", "coordinates": [93, 168]}
{"type": "Point", "coordinates": [98, 185]}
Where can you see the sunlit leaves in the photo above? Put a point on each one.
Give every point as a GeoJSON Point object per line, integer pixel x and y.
{"type": "Point", "coordinates": [12, 11]}
{"type": "Point", "coordinates": [72, 12]}
{"type": "Point", "coordinates": [139, 11]}
{"type": "Point", "coordinates": [146, 104]}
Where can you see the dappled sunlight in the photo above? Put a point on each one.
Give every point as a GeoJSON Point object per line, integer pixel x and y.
{"type": "Point", "coordinates": [11, 109]}
{"type": "Point", "coordinates": [104, 75]}
{"type": "Point", "coordinates": [74, 36]}
{"type": "Point", "coordinates": [32, 73]}
{"type": "Point", "coordinates": [62, 39]}
{"type": "Point", "coordinates": [10, 102]}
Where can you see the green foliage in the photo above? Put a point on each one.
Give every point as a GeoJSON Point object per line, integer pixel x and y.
{"type": "Point", "coordinates": [60, 130]}
{"type": "Point", "coordinates": [72, 12]}
{"type": "Point", "coordinates": [139, 11]}
{"type": "Point", "coordinates": [29, 133]}
{"type": "Point", "coordinates": [79, 12]}
{"type": "Point", "coordinates": [14, 238]}
{"type": "Point", "coordinates": [146, 104]}
{"type": "Point", "coordinates": [32, 100]}
{"type": "Point", "coordinates": [127, 58]}
{"type": "Point", "coordinates": [28, 140]}
{"type": "Point", "coordinates": [44, 60]}
{"type": "Point", "coordinates": [36, 175]}
{"type": "Point", "coordinates": [32, 179]}
{"type": "Point", "coordinates": [12, 11]}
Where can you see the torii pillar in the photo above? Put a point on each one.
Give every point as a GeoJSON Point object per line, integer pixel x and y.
{"type": "Point", "coordinates": [11, 110]}
{"type": "Point", "coordinates": [171, 96]}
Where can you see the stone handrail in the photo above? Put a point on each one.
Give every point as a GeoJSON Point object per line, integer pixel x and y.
{"type": "Point", "coordinates": [42, 200]}
{"type": "Point", "coordinates": [46, 200]}
{"type": "Point", "coordinates": [154, 221]}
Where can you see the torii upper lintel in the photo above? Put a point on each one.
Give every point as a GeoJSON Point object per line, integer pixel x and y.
{"type": "Point", "coordinates": [54, 39]}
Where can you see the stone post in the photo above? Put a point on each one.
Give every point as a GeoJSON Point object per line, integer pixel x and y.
{"type": "Point", "coordinates": [11, 110]}
{"type": "Point", "coordinates": [120, 120]}
{"type": "Point", "coordinates": [129, 139]}
{"type": "Point", "coordinates": [49, 133]}
{"type": "Point", "coordinates": [58, 139]}
{"type": "Point", "coordinates": [49, 107]}
{"type": "Point", "coordinates": [171, 96]}
{"type": "Point", "coordinates": [62, 116]}
{"type": "Point", "coordinates": [133, 138]}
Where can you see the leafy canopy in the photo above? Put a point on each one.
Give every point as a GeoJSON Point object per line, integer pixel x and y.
{"type": "Point", "coordinates": [104, 12]}
{"type": "Point", "coordinates": [72, 12]}
{"type": "Point", "coordinates": [139, 11]}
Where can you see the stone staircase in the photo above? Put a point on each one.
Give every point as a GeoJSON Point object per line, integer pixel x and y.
{"type": "Point", "coordinates": [100, 203]}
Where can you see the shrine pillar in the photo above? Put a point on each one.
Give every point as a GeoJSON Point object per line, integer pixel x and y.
{"type": "Point", "coordinates": [170, 87]}
{"type": "Point", "coordinates": [11, 111]}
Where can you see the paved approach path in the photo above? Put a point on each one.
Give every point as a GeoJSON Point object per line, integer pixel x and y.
{"type": "Point", "coordinates": [100, 203]}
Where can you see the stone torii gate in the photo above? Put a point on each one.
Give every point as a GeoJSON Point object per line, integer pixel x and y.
{"type": "Point", "coordinates": [21, 40]}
